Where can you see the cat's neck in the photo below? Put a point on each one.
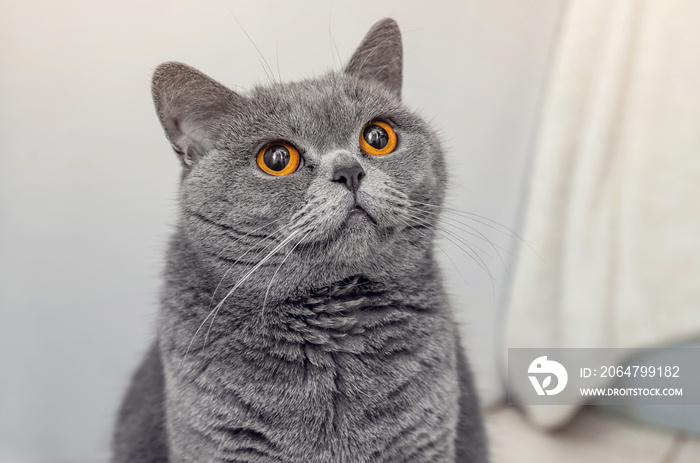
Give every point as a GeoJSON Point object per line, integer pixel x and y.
{"type": "Point", "coordinates": [199, 279]}
{"type": "Point", "coordinates": [355, 316]}
{"type": "Point", "coordinates": [337, 313]}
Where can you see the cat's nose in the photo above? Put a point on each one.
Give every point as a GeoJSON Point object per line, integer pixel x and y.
{"type": "Point", "coordinates": [349, 174]}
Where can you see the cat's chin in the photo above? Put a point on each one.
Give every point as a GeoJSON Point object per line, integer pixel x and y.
{"type": "Point", "coordinates": [358, 227]}
{"type": "Point", "coordinates": [357, 242]}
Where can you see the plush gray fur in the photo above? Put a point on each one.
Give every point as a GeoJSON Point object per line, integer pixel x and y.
{"type": "Point", "coordinates": [293, 329]}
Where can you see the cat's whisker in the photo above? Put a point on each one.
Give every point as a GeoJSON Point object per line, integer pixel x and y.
{"type": "Point", "coordinates": [269, 285]}
{"type": "Point", "coordinates": [211, 301]}
{"type": "Point", "coordinates": [268, 246]}
{"type": "Point", "coordinates": [473, 231]}
{"type": "Point", "coordinates": [496, 248]}
{"type": "Point", "coordinates": [473, 254]}
{"type": "Point", "coordinates": [330, 42]}
{"type": "Point", "coordinates": [270, 75]}
{"type": "Point", "coordinates": [476, 233]}
{"type": "Point", "coordinates": [425, 235]}
{"type": "Point", "coordinates": [240, 282]}
{"type": "Point", "coordinates": [335, 66]}
{"type": "Point", "coordinates": [333, 44]}
{"type": "Point", "coordinates": [277, 58]}
{"type": "Point", "coordinates": [490, 223]}
{"type": "Point", "coordinates": [475, 257]}
{"type": "Point", "coordinates": [453, 264]}
{"type": "Point", "coordinates": [478, 259]}
{"type": "Point", "coordinates": [245, 277]}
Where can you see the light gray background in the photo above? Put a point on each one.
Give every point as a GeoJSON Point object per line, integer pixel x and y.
{"type": "Point", "coordinates": [88, 181]}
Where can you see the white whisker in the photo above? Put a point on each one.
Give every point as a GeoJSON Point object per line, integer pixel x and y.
{"type": "Point", "coordinates": [476, 258]}
{"type": "Point", "coordinates": [425, 235]}
{"type": "Point", "coordinates": [239, 283]}
{"type": "Point", "coordinates": [269, 285]}
{"type": "Point", "coordinates": [211, 301]}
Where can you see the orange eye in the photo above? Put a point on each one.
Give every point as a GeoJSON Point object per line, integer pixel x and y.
{"type": "Point", "coordinates": [378, 138]}
{"type": "Point", "coordinates": [279, 159]}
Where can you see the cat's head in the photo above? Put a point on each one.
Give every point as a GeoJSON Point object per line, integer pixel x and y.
{"type": "Point", "coordinates": [332, 174]}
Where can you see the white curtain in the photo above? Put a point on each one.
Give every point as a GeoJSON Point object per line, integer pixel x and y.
{"type": "Point", "coordinates": [612, 217]}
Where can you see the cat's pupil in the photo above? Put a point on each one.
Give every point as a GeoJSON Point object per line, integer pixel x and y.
{"type": "Point", "coordinates": [276, 157]}
{"type": "Point", "coordinates": [376, 136]}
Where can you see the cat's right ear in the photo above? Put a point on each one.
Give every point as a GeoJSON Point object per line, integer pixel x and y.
{"type": "Point", "coordinates": [380, 56]}
{"type": "Point", "coordinates": [191, 107]}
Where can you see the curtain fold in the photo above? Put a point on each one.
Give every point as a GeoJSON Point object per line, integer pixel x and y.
{"type": "Point", "coordinates": [612, 218]}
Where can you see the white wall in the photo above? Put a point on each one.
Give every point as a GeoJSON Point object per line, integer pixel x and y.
{"type": "Point", "coordinates": [88, 182]}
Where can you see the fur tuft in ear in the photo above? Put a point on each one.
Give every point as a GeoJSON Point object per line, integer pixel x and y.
{"type": "Point", "coordinates": [191, 107]}
{"type": "Point", "coordinates": [380, 57]}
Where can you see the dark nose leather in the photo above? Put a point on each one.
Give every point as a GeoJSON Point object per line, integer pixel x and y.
{"type": "Point", "coordinates": [349, 174]}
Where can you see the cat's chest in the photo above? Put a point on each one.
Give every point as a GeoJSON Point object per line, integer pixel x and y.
{"type": "Point", "coordinates": [351, 360]}
{"type": "Point", "coordinates": [355, 408]}
{"type": "Point", "coordinates": [351, 390]}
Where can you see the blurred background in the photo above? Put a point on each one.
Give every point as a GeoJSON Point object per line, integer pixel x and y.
{"type": "Point", "coordinates": [572, 130]}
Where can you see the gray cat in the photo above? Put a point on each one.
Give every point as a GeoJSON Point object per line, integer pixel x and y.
{"type": "Point", "coordinates": [303, 318]}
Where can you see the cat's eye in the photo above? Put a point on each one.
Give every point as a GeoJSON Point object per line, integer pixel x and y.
{"type": "Point", "coordinates": [377, 138]}
{"type": "Point", "coordinates": [279, 159]}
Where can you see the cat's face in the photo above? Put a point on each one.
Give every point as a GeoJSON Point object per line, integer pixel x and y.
{"type": "Point", "coordinates": [333, 171]}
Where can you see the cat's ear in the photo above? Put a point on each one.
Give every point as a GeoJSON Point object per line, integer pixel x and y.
{"type": "Point", "coordinates": [380, 57]}
{"type": "Point", "coordinates": [191, 107]}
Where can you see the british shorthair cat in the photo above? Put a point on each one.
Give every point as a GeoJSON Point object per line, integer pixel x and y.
{"type": "Point", "coordinates": [303, 317]}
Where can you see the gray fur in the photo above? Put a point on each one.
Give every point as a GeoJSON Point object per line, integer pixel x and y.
{"type": "Point", "coordinates": [339, 346]}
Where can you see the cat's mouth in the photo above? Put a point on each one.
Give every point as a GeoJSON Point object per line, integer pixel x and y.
{"type": "Point", "coordinates": [356, 233]}
{"type": "Point", "coordinates": [358, 212]}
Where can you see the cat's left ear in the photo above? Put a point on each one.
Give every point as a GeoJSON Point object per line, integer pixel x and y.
{"type": "Point", "coordinates": [380, 56]}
